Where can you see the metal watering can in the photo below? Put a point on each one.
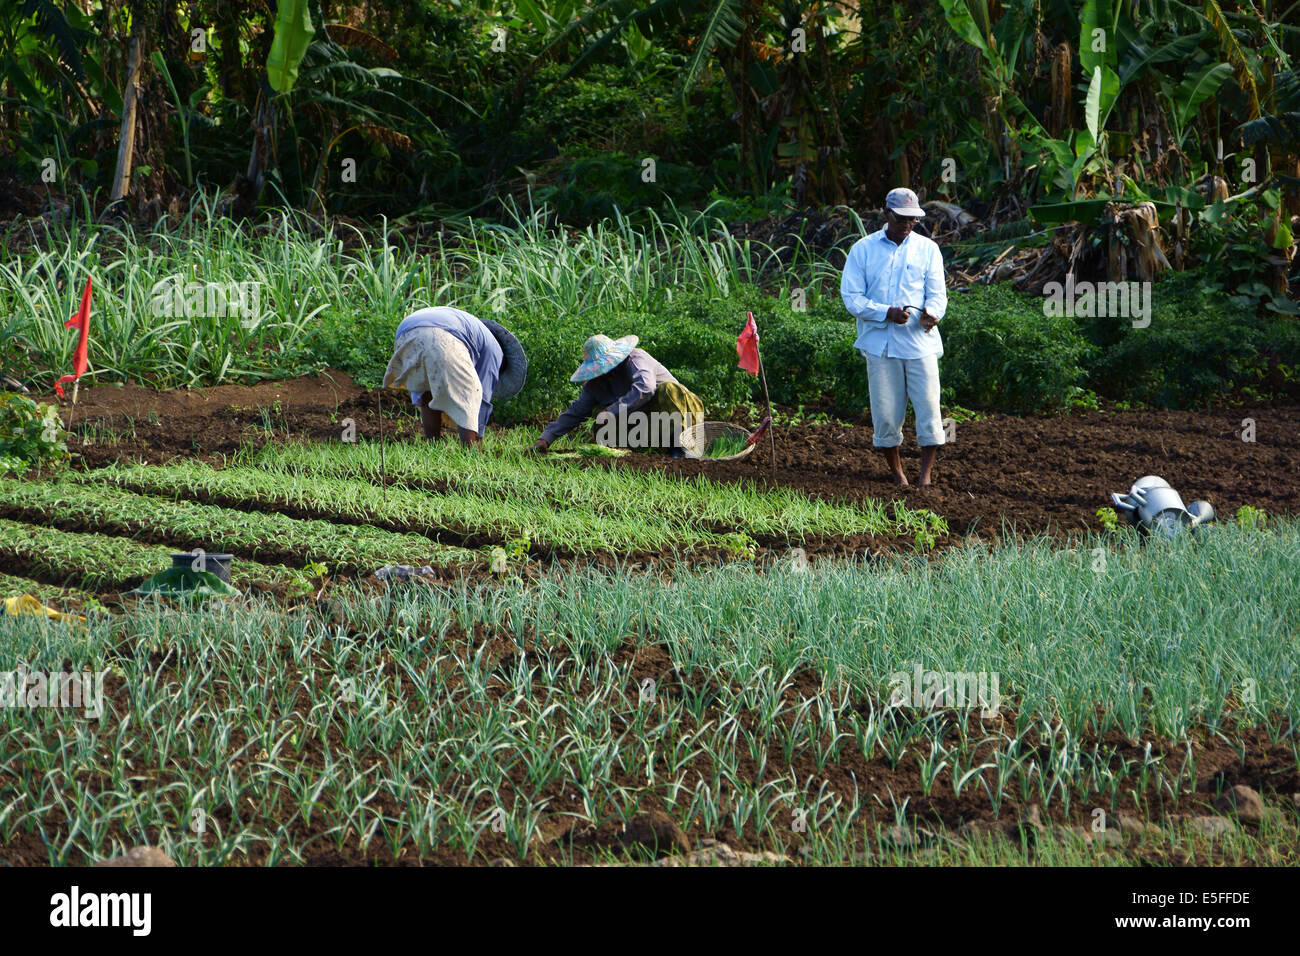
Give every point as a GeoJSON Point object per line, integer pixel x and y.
{"type": "Point", "coordinates": [1155, 508]}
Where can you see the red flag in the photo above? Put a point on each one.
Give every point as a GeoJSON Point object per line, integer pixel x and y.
{"type": "Point", "coordinates": [747, 346]}
{"type": "Point", "coordinates": [81, 321]}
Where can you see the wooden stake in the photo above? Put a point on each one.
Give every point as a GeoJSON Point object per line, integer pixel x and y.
{"type": "Point", "coordinates": [73, 407]}
{"type": "Point", "coordinates": [126, 143]}
{"type": "Point", "coordinates": [383, 470]}
{"type": "Point", "coordinates": [771, 437]}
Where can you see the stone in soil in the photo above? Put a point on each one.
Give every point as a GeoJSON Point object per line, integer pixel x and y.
{"type": "Point", "coordinates": [1211, 826]}
{"type": "Point", "coordinates": [656, 831]}
{"type": "Point", "coordinates": [1243, 801]}
{"type": "Point", "coordinates": [902, 838]}
{"type": "Point", "coordinates": [140, 856]}
{"type": "Point", "coordinates": [987, 830]}
{"type": "Point", "coordinates": [719, 854]}
{"type": "Point", "coordinates": [1135, 826]}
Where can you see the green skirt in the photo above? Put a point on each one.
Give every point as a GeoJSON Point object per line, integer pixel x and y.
{"type": "Point", "coordinates": [674, 397]}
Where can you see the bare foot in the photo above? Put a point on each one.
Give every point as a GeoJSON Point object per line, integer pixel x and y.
{"type": "Point", "coordinates": [900, 479]}
{"type": "Point", "coordinates": [928, 454]}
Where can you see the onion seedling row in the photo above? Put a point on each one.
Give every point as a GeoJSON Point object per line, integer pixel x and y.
{"type": "Point", "coordinates": [100, 562]}
{"type": "Point", "coordinates": [681, 505]}
{"type": "Point", "coordinates": [273, 536]}
{"type": "Point", "coordinates": [467, 723]}
{"type": "Point", "coordinates": [463, 517]}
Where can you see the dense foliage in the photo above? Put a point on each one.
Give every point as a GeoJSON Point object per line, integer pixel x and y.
{"type": "Point", "coordinates": [440, 106]}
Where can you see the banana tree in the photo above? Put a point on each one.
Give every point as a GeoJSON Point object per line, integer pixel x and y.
{"type": "Point", "coordinates": [776, 90]}
{"type": "Point", "coordinates": [41, 70]}
{"type": "Point", "coordinates": [1000, 43]}
{"type": "Point", "coordinates": [293, 34]}
{"type": "Point", "coordinates": [1185, 99]}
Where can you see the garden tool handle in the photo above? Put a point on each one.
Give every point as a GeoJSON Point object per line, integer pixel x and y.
{"type": "Point", "coordinates": [920, 310]}
{"type": "Point", "coordinates": [758, 432]}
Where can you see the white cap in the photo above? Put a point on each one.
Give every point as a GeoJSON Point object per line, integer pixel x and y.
{"type": "Point", "coordinates": [904, 202]}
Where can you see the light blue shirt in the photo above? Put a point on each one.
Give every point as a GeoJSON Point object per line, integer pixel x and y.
{"type": "Point", "coordinates": [484, 349]}
{"type": "Point", "coordinates": [879, 274]}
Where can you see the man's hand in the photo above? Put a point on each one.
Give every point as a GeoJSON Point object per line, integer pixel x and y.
{"type": "Point", "coordinates": [897, 315]}
{"type": "Point", "coordinates": [540, 446]}
{"type": "Point", "coordinates": [928, 321]}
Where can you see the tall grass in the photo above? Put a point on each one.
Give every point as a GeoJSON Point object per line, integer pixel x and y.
{"type": "Point", "coordinates": [306, 278]}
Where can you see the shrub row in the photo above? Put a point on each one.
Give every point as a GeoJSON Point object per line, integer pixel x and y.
{"type": "Point", "coordinates": [1001, 351]}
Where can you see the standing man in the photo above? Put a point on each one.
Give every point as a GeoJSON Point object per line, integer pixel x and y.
{"type": "Point", "coordinates": [893, 284]}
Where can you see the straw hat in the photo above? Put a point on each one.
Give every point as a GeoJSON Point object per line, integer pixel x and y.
{"type": "Point", "coordinates": [514, 363]}
{"type": "Point", "coordinates": [600, 354]}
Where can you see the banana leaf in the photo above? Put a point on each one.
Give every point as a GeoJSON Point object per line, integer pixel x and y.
{"type": "Point", "coordinates": [293, 34]}
{"type": "Point", "coordinates": [1084, 210]}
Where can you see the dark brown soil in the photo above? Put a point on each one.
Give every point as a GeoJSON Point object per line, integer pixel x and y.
{"type": "Point", "coordinates": [1039, 474]}
{"type": "Point", "coordinates": [1033, 474]}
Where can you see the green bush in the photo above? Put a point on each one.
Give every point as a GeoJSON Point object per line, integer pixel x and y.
{"type": "Point", "coordinates": [31, 435]}
{"type": "Point", "coordinates": [1200, 347]}
{"type": "Point", "coordinates": [1198, 358]}
{"type": "Point", "coordinates": [554, 347]}
{"type": "Point", "coordinates": [1002, 352]}
{"type": "Point", "coordinates": [811, 360]}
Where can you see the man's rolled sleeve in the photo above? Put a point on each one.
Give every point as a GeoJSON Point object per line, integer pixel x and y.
{"type": "Point", "coordinates": [936, 288]}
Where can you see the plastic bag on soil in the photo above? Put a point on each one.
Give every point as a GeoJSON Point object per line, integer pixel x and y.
{"type": "Point", "coordinates": [592, 451]}
{"type": "Point", "coordinates": [29, 604]}
{"type": "Point", "coordinates": [402, 572]}
{"type": "Point", "coordinates": [186, 582]}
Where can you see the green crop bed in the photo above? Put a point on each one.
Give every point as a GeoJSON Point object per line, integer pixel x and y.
{"type": "Point", "coordinates": [102, 562]}
{"type": "Point", "coordinates": [506, 495]}
{"type": "Point", "coordinates": [273, 536]}
{"type": "Point", "coordinates": [466, 723]}
{"type": "Point", "coordinates": [529, 484]}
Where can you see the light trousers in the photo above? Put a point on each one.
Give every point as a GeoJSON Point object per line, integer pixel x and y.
{"type": "Point", "coordinates": [893, 382]}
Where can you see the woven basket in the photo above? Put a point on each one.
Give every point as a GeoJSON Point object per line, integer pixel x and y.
{"type": "Point", "coordinates": [697, 439]}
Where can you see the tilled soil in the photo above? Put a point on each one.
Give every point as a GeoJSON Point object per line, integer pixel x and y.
{"type": "Point", "coordinates": [1035, 474]}
{"type": "Point", "coordinates": [1041, 474]}
{"type": "Point", "coordinates": [1032, 474]}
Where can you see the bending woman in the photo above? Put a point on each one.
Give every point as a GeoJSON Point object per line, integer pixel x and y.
{"type": "Point", "coordinates": [626, 381]}
{"type": "Point", "coordinates": [455, 364]}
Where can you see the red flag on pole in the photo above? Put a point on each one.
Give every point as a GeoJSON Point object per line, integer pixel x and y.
{"type": "Point", "coordinates": [81, 321]}
{"type": "Point", "coordinates": [747, 346]}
